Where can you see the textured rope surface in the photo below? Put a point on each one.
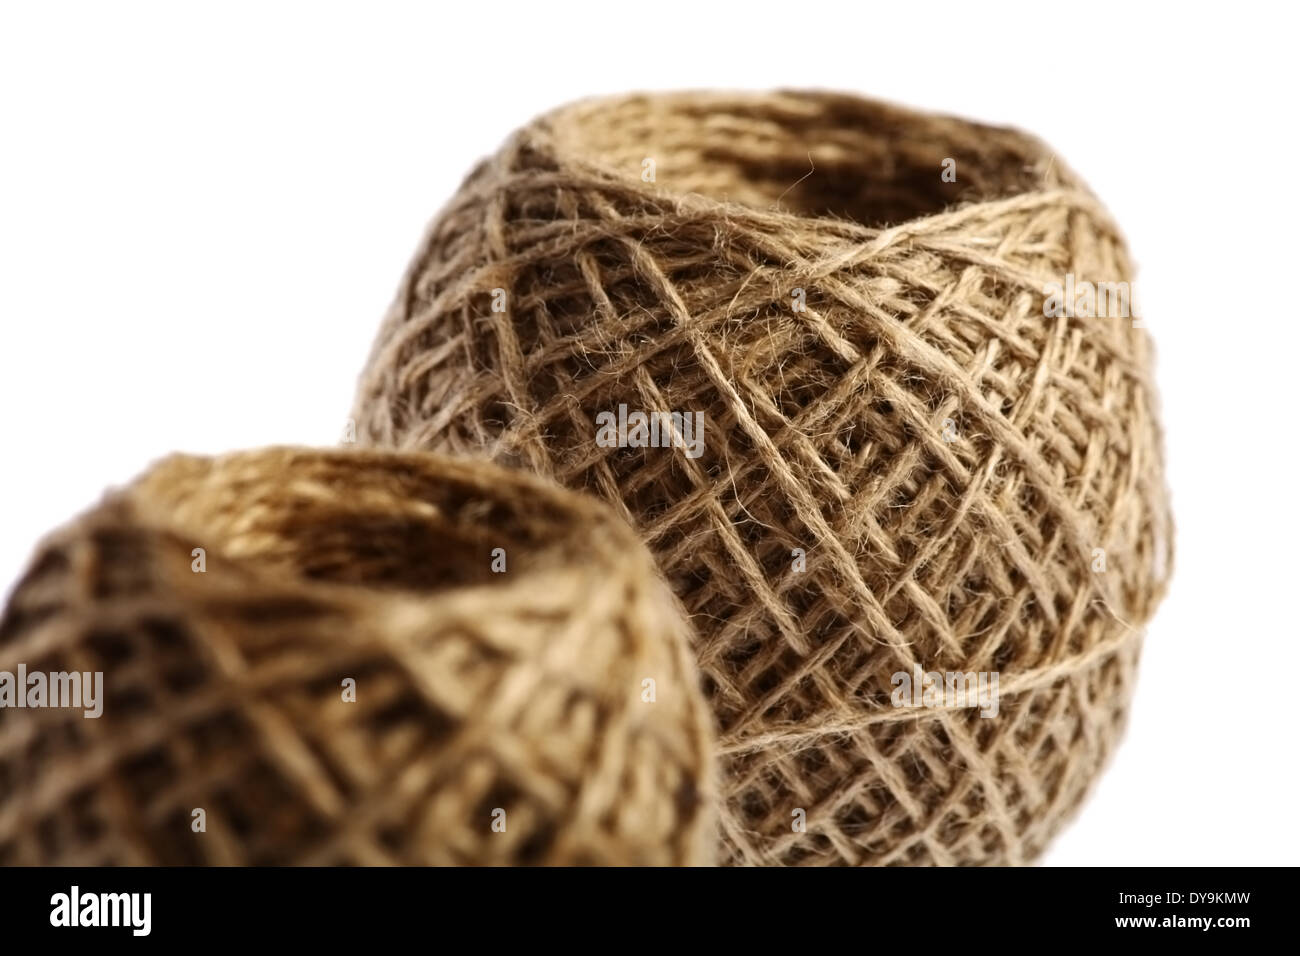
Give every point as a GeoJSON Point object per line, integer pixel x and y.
{"type": "Point", "coordinates": [475, 691]}
{"type": "Point", "coordinates": [950, 457]}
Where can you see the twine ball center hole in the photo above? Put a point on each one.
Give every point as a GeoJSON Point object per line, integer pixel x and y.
{"type": "Point", "coordinates": [813, 156]}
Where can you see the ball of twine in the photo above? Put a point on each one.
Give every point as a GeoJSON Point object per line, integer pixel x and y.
{"type": "Point", "coordinates": [911, 463]}
{"type": "Point", "coordinates": [497, 717]}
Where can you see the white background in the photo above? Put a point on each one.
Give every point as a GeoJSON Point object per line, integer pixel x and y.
{"type": "Point", "coordinates": [204, 214]}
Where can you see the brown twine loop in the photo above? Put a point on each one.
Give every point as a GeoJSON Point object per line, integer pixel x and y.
{"type": "Point", "coordinates": [475, 691]}
{"type": "Point", "coordinates": [950, 459]}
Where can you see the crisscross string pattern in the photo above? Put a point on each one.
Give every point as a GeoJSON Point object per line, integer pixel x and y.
{"type": "Point", "coordinates": [475, 691]}
{"type": "Point", "coordinates": [951, 459]}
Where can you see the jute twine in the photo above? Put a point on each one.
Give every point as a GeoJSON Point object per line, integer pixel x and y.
{"type": "Point", "coordinates": [498, 717]}
{"type": "Point", "coordinates": [976, 486]}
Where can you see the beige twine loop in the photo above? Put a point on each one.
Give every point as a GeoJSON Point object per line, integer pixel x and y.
{"type": "Point", "coordinates": [499, 715]}
{"type": "Point", "coordinates": [949, 457]}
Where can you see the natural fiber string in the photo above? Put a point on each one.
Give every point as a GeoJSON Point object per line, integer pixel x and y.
{"type": "Point", "coordinates": [949, 457]}
{"type": "Point", "coordinates": [480, 696]}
